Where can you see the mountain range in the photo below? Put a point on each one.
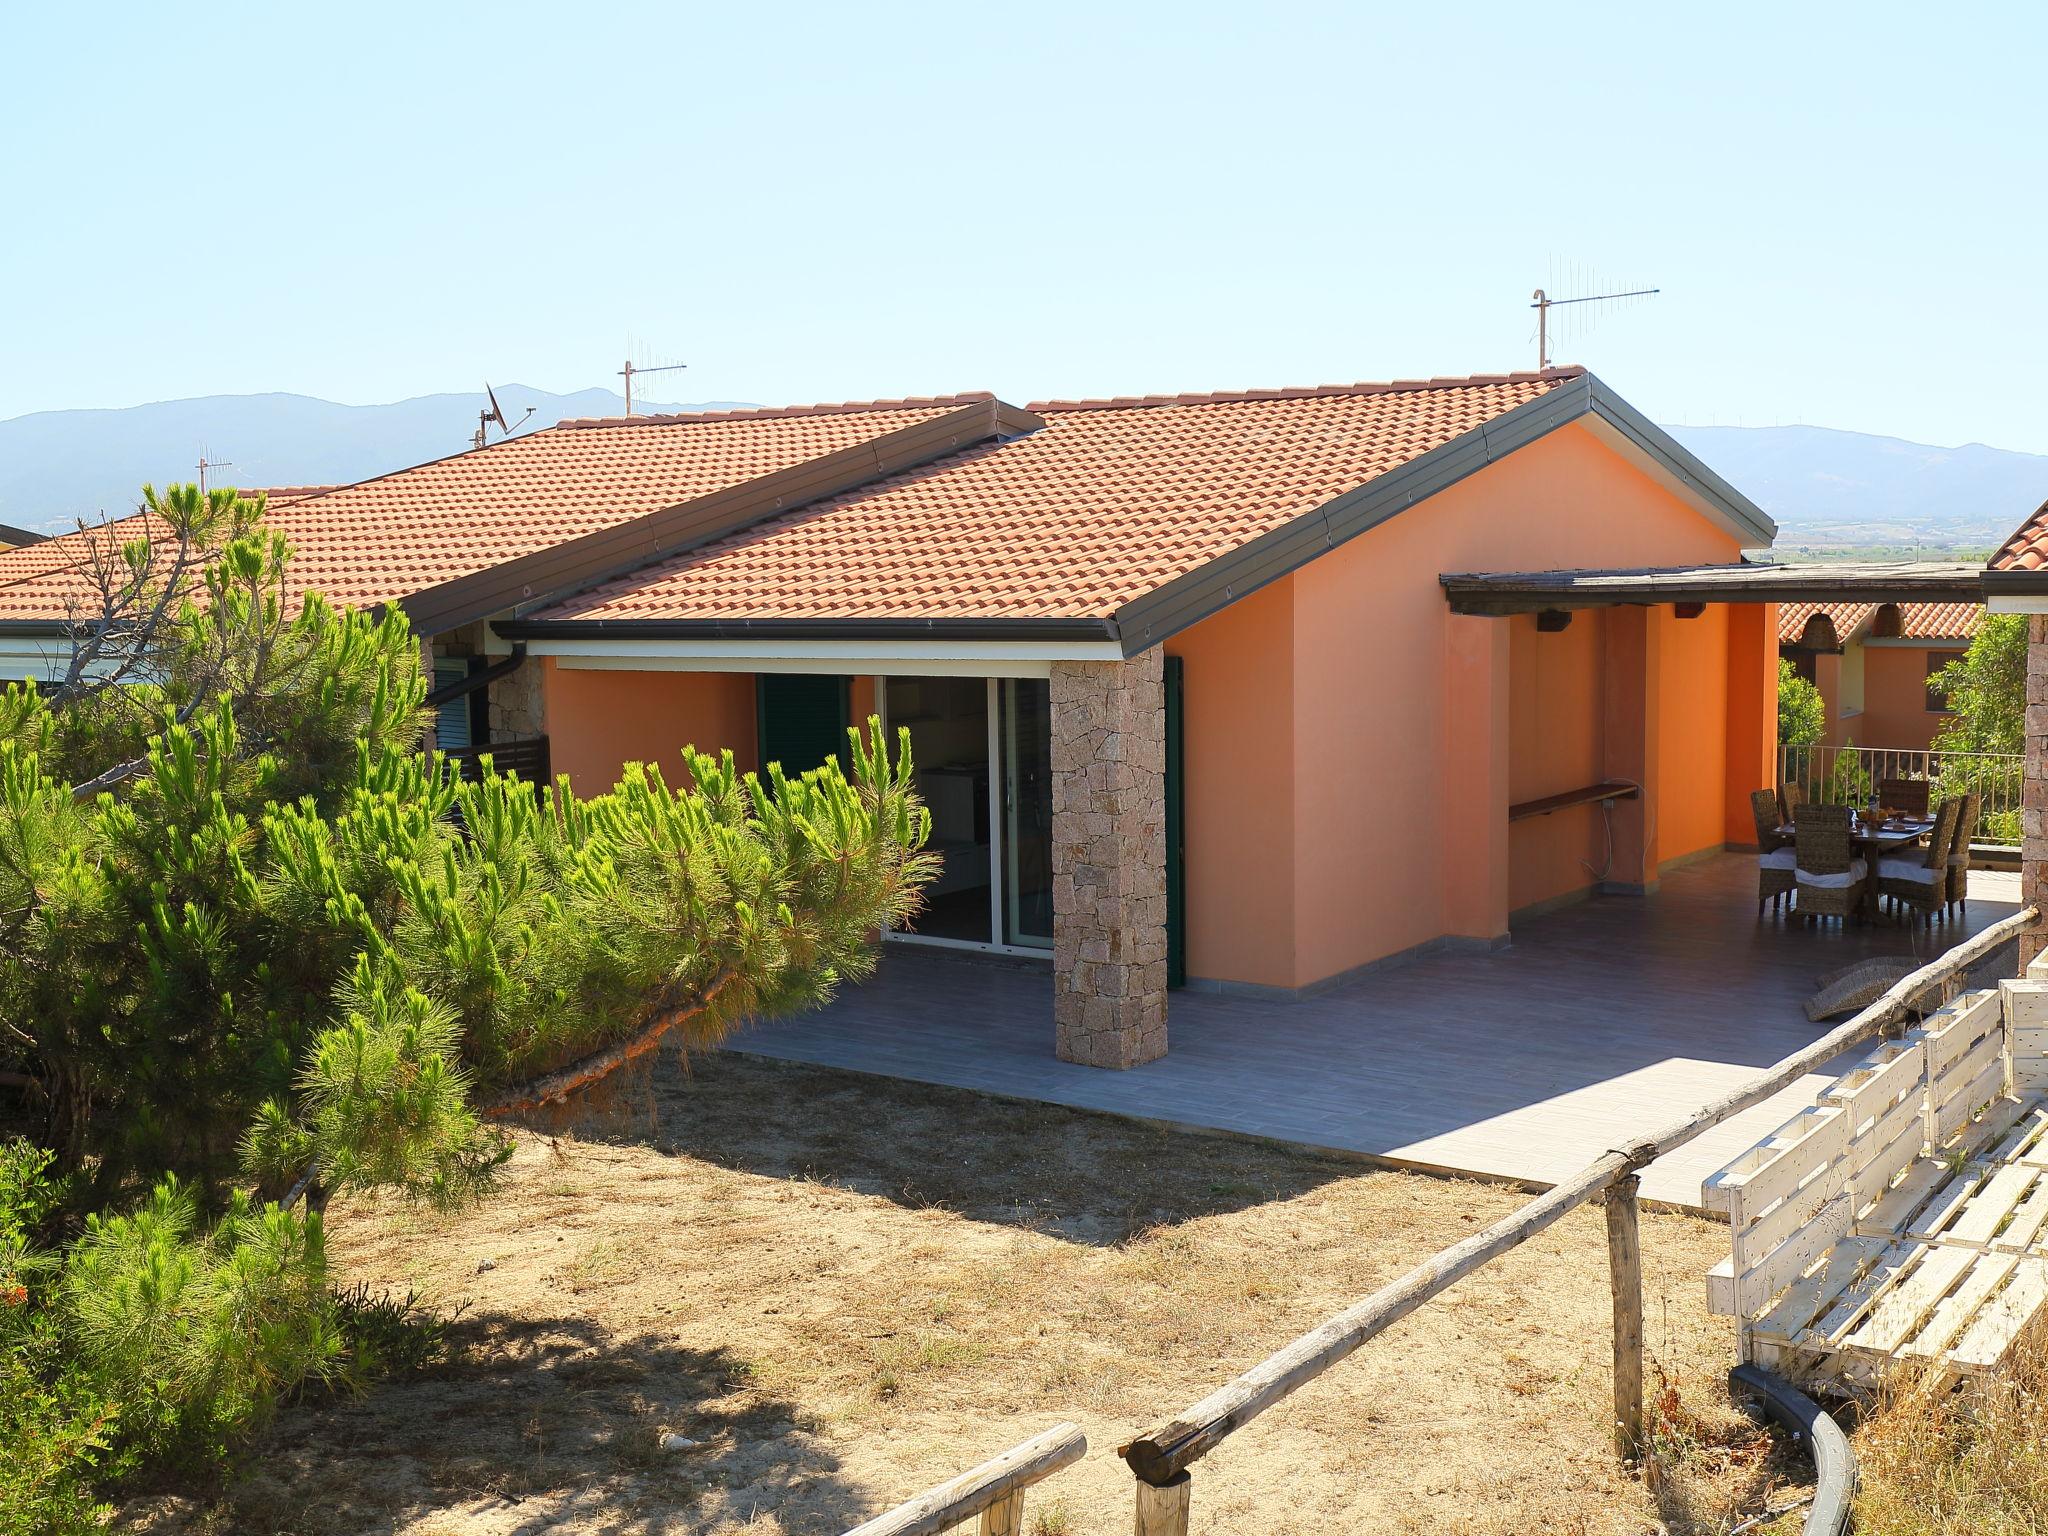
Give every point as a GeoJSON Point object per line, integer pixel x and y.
{"type": "Point", "coordinates": [1827, 489]}
{"type": "Point", "coordinates": [59, 466]}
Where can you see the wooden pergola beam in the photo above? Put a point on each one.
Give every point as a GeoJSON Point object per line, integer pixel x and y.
{"type": "Point", "coordinates": [1501, 593]}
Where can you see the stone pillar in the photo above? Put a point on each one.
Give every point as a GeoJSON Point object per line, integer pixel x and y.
{"type": "Point", "coordinates": [1109, 860]}
{"type": "Point", "coordinates": [518, 704]}
{"type": "Point", "coordinates": [2034, 790]}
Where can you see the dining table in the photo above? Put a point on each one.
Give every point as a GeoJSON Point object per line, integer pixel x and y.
{"type": "Point", "coordinates": [1873, 838]}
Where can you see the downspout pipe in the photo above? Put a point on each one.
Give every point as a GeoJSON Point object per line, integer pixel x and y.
{"type": "Point", "coordinates": [1834, 1464]}
{"type": "Point", "coordinates": [463, 687]}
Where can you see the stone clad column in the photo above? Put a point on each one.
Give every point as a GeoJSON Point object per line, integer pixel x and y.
{"type": "Point", "coordinates": [1109, 860]}
{"type": "Point", "coordinates": [2034, 789]}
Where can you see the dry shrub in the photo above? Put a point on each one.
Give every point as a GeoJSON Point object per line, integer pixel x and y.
{"type": "Point", "coordinates": [1935, 1457]}
{"type": "Point", "coordinates": [1707, 1467]}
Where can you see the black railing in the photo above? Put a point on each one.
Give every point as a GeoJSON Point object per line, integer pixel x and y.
{"type": "Point", "coordinates": [526, 756]}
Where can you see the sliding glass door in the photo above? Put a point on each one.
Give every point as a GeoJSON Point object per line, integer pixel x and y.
{"type": "Point", "coordinates": [983, 753]}
{"type": "Point", "coordinates": [1027, 811]}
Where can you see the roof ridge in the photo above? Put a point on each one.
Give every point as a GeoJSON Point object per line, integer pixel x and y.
{"type": "Point", "coordinates": [766, 412]}
{"type": "Point", "coordinates": [1310, 392]}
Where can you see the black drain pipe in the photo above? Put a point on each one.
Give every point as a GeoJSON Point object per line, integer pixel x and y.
{"type": "Point", "coordinates": [1834, 1464]}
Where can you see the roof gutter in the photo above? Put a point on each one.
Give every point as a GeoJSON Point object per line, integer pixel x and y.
{"type": "Point", "coordinates": [1021, 631]}
{"type": "Point", "coordinates": [2010, 583]}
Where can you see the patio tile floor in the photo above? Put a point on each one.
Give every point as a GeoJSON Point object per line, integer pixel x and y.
{"type": "Point", "coordinates": [1601, 1020]}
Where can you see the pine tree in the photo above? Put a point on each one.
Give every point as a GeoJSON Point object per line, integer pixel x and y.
{"type": "Point", "coordinates": [256, 948]}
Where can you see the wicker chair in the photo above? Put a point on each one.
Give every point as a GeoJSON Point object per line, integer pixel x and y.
{"type": "Point", "coordinates": [1919, 880]}
{"type": "Point", "coordinates": [1828, 876]}
{"type": "Point", "coordinates": [1775, 861]}
{"type": "Point", "coordinates": [1790, 798]}
{"type": "Point", "coordinates": [1959, 854]}
{"type": "Point", "coordinates": [1909, 796]}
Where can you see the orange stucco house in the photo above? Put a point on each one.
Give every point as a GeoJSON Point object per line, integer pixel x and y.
{"type": "Point", "coordinates": [1240, 691]}
{"type": "Point", "coordinates": [1873, 663]}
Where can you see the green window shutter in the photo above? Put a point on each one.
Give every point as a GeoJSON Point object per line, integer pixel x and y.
{"type": "Point", "coordinates": [800, 719]}
{"type": "Point", "coordinates": [452, 720]}
{"type": "Point", "coordinates": [1176, 820]}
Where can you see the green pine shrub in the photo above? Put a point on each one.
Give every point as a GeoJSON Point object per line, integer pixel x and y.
{"type": "Point", "coordinates": [256, 948]}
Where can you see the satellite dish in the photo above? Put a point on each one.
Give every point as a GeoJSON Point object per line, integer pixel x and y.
{"type": "Point", "coordinates": [495, 413]}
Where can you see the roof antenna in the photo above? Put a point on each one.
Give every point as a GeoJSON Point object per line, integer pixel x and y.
{"type": "Point", "coordinates": [495, 413]}
{"type": "Point", "coordinates": [1545, 303]}
{"type": "Point", "coordinates": [630, 369]}
{"type": "Point", "coordinates": [205, 464]}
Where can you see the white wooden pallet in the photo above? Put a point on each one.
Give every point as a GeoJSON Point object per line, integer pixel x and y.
{"type": "Point", "coordinates": [1904, 1217]}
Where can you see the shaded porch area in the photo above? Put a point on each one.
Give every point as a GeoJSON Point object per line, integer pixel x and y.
{"type": "Point", "coordinates": [1604, 1018]}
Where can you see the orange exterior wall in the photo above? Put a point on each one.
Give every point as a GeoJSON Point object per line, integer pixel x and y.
{"type": "Point", "coordinates": [1237, 727]}
{"type": "Point", "coordinates": [600, 720]}
{"type": "Point", "coordinates": [1555, 739]}
{"type": "Point", "coordinates": [1692, 756]}
{"type": "Point", "coordinates": [1401, 724]}
{"type": "Point", "coordinates": [1895, 712]}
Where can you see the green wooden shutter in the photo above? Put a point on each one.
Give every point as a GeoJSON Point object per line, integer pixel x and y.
{"type": "Point", "coordinates": [453, 728]}
{"type": "Point", "coordinates": [1176, 821]}
{"type": "Point", "coordinates": [800, 718]}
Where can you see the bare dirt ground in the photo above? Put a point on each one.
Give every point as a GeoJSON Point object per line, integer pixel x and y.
{"type": "Point", "coordinates": [847, 1288]}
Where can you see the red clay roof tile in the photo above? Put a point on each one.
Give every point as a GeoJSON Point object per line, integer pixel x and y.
{"type": "Point", "coordinates": [1109, 501]}
{"type": "Point", "coordinates": [2027, 549]}
{"type": "Point", "coordinates": [387, 539]}
{"type": "Point", "coordinates": [1917, 621]}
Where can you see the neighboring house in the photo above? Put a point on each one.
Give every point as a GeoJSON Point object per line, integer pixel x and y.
{"type": "Point", "coordinates": [1194, 690]}
{"type": "Point", "coordinates": [1874, 664]}
{"type": "Point", "coordinates": [15, 538]}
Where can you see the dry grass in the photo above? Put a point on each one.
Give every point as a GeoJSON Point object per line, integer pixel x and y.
{"type": "Point", "coordinates": [1933, 1458]}
{"type": "Point", "coordinates": [847, 1288]}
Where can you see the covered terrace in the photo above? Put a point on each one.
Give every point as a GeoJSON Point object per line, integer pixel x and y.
{"type": "Point", "coordinates": [1614, 722]}
{"type": "Point", "coordinates": [1610, 1016]}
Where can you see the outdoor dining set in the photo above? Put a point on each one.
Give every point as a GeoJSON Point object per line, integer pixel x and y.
{"type": "Point", "coordinates": [1847, 862]}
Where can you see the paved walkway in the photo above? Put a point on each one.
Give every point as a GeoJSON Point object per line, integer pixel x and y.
{"type": "Point", "coordinates": [1603, 1019]}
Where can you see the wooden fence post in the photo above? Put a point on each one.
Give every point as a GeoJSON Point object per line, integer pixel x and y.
{"type": "Point", "coordinates": [1005, 1517]}
{"type": "Point", "coordinates": [1163, 1511]}
{"type": "Point", "coordinates": [1625, 1268]}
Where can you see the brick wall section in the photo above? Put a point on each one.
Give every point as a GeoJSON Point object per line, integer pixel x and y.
{"type": "Point", "coordinates": [1109, 860]}
{"type": "Point", "coordinates": [2034, 789]}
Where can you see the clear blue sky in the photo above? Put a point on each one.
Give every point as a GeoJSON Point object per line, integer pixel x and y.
{"type": "Point", "coordinates": [820, 202]}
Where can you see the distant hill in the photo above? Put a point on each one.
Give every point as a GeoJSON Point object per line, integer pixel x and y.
{"type": "Point", "coordinates": [57, 466]}
{"type": "Point", "coordinates": [1828, 488]}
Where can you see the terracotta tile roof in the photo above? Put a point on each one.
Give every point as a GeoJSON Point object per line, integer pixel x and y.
{"type": "Point", "coordinates": [2027, 549]}
{"type": "Point", "coordinates": [1940, 621]}
{"type": "Point", "coordinates": [387, 539]}
{"type": "Point", "coordinates": [1110, 500]}
{"type": "Point", "coordinates": [1917, 621]}
{"type": "Point", "coordinates": [1794, 617]}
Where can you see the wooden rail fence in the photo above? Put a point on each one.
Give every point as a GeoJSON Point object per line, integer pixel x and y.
{"type": "Point", "coordinates": [994, 1490]}
{"type": "Point", "coordinates": [1161, 1457]}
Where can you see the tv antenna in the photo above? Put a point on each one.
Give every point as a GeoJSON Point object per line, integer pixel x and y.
{"type": "Point", "coordinates": [205, 464]}
{"type": "Point", "coordinates": [629, 370]}
{"type": "Point", "coordinates": [494, 412]}
{"type": "Point", "coordinates": [1545, 303]}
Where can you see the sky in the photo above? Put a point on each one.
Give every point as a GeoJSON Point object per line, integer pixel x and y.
{"type": "Point", "coordinates": [1841, 206]}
